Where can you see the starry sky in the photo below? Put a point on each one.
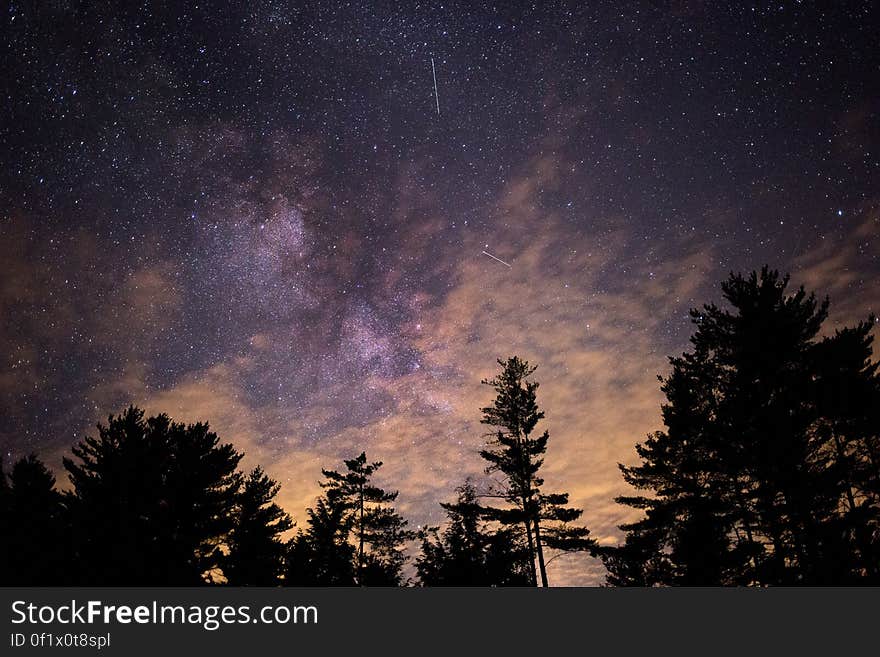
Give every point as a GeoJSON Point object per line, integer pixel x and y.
{"type": "Point", "coordinates": [253, 214]}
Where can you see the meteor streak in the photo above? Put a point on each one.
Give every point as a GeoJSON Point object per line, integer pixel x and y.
{"type": "Point", "coordinates": [436, 95]}
{"type": "Point", "coordinates": [498, 259]}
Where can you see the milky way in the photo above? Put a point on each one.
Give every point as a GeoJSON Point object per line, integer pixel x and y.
{"type": "Point", "coordinates": [255, 215]}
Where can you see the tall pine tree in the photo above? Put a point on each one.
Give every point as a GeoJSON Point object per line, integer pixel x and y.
{"type": "Point", "coordinates": [518, 454]}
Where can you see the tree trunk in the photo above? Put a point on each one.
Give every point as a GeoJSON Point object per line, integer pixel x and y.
{"type": "Point", "coordinates": [532, 573]}
{"type": "Point", "coordinates": [540, 549]}
{"type": "Point", "coordinates": [526, 486]}
{"type": "Point", "coordinates": [361, 540]}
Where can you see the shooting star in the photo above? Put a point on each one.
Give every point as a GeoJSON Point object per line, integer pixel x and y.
{"type": "Point", "coordinates": [436, 95]}
{"type": "Point", "coordinates": [498, 259]}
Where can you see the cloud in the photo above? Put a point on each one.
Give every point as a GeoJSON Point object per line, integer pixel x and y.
{"type": "Point", "coordinates": [837, 267]}
{"type": "Point", "coordinates": [66, 297]}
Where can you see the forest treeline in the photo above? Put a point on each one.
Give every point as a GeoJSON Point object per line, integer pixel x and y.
{"type": "Point", "coordinates": [767, 473]}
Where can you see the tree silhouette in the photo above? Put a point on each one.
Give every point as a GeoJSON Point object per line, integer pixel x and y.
{"type": "Point", "coordinates": [322, 554]}
{"type": "Point", "coordinates": [764, 473]}
{"type": "Point", "coordinates": [256, 554]}
{"type": "Point", "coordinates": [467, 553]}
{"type": "Point", "coordinates": [34, 527]}
{"type": "Point", "coordinates": [847, 396]}
{"type": "Point", "coordinates": [154, 501]}
{"type": "Point", "coordinates": [353, 535]}
{"type": "Point", "coordinates": [515, 453]}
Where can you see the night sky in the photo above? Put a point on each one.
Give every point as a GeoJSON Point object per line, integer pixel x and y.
{"type": "Point", "coordinates": [254, 215]}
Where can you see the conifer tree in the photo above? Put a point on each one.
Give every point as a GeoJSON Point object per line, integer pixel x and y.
{"type": "Point", "coordinates": [378, 531]}
{"type": "Point", "coordinates": [322, 554]}
{"type": "Point", "coordinates": [518, 454]}
{"type": "Point", "coordinates": [256, 553]}
{"type": "Point", "coordinates": [847, 393]}
{"type": "Point", "coordinates": [467, 552]}
{"type": "Point", "coordinates": [455, 558]}
{"type": "Point", "coordinates": [354, 536]}
{"type": "Point", "coordinates": [153, 503]}
{"type": "Point", "coordinates": [763, 474]}
{"type": "Point", "coordinates": [35, 519]}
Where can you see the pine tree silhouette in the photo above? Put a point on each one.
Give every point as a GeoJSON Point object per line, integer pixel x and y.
{"type": "Point", "coordinates": [847, 395]}
{"type": "Point", "coordinates": [256, 554]}
{"type": "Point", "coordinates": [518, 455]}
{"type": "Point", "coordinates": [468, 553]}
{"type": "Point", "coordinates": [763, 475]}
{"type": "Point", "coordinates": [35, 527]}
{"type": "Point", "coordinates": [154, 501]}
{"type": "Point", "coordinates": [378, 531]}
{"type": "Point", "coordinates": [322, 554]}
{"type": "Point", "coordinates": [354, 535]}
